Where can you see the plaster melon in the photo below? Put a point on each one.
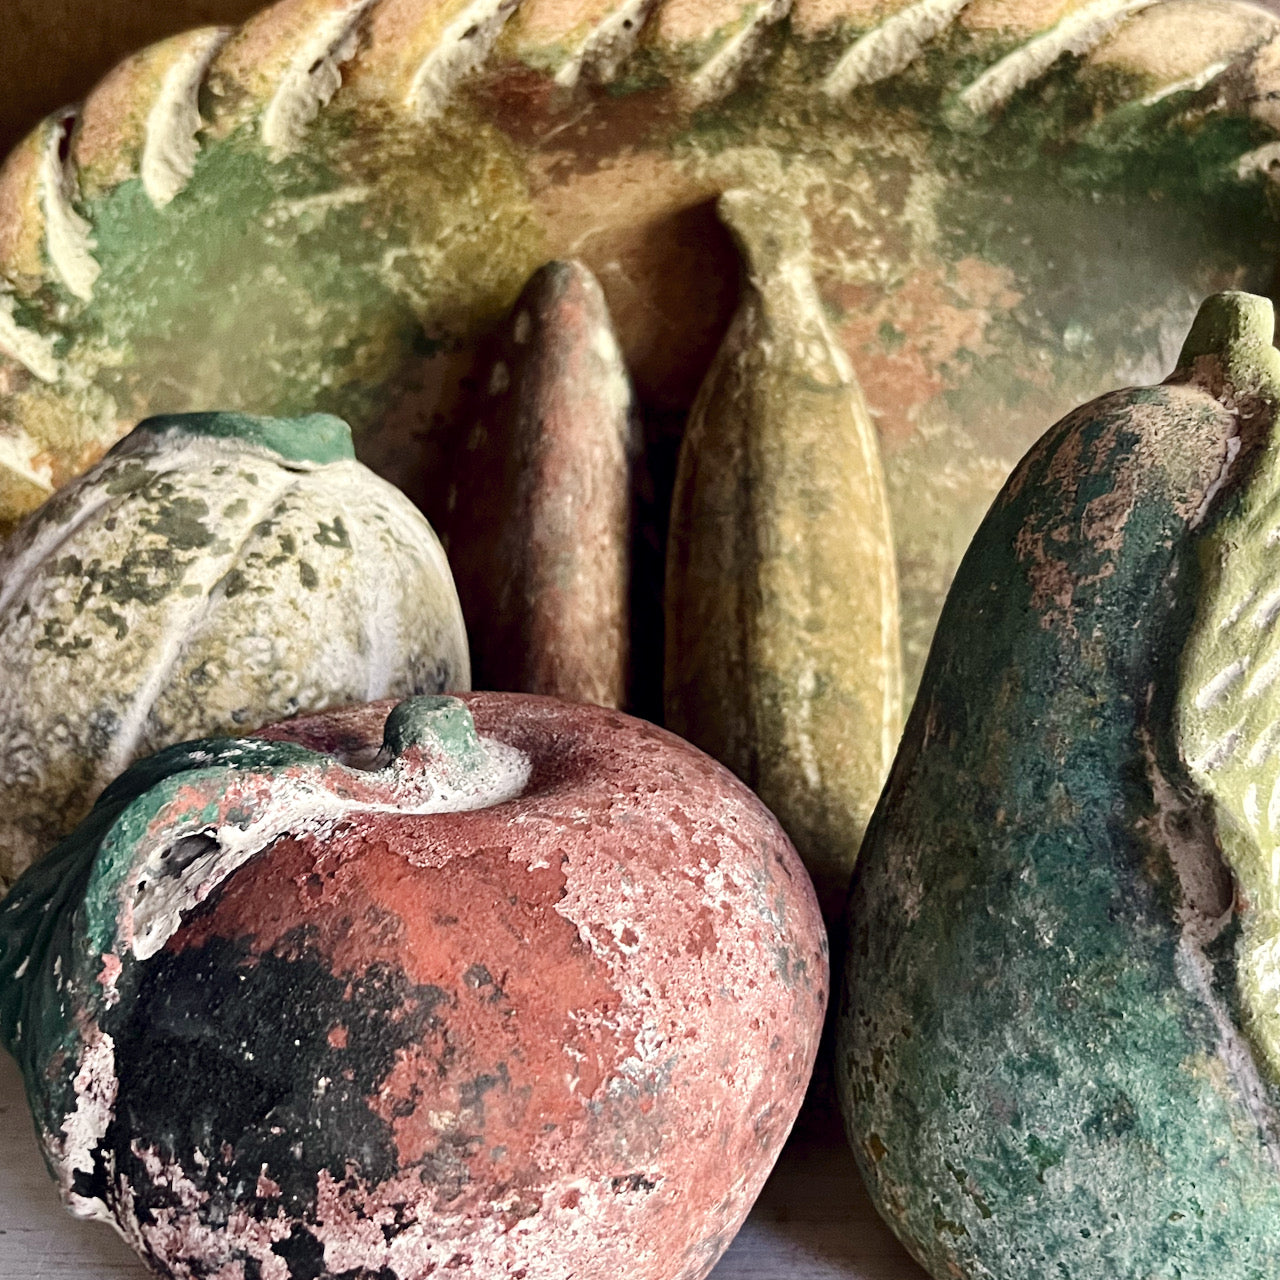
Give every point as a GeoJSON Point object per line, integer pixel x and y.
{"type": "Point", "coordinates": [212, 573]}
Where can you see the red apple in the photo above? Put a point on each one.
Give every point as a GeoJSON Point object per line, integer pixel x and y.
{"type": "Point", "coordinates": [561, 1030]}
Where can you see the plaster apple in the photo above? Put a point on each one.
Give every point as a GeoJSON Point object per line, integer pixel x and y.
{"type": "Point", "coordinates": [493, 985]}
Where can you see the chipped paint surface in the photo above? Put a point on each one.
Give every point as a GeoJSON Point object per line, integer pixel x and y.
{"type": "Point", "coordinates": [1054, 1052]}
{"type": "Point", "coordinates": [539, 511]}
{"type": "Point", "coordinates": [197, 581]}
{"type": "Point", "coordinates": [564, 1033]}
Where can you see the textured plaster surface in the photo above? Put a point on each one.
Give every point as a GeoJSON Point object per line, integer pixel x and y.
{"type": "Point", "coordinates": [569, 1028]}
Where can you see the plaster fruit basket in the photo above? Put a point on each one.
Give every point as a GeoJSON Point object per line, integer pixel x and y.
{"type": "Point", "coordinates": [213, 573]}
{"type": "Point", "coordinates": [1059, 1047]}
{"type": "Point", "coordinates": [534, 989]}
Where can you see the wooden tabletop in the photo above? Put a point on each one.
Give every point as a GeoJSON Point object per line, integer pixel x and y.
{"type": "Point", "coordinates": [813, 1222]}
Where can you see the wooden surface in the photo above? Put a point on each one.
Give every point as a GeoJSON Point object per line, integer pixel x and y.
{"type": "Point", "coordinates": [814, 1221]}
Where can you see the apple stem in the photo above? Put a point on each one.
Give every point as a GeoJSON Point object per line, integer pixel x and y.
{"type": "Point", "coordinates": [435, 725]}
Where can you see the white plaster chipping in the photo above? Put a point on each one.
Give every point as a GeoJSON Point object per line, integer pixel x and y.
{"type": "Point", "coordinates": [1079, 32]}
{"type": "Point", "coordinates": [1189, 84]}
{"type": "Point", "coordinates": [300, 806]}
{"type": "Point", "coordinates": [720, 74]}
{"type": "Point", "coordinates": [892, 46]}
{"type": "Point", "coordinates": [607, 45]}
{"type": "Point", "coordinates": [95, 1088]}
{"type": "Point", "coordinates": [313, 76]}
{"type": "Point", "coordinates": [463, 48]}
{"type": "Point", "coordinates": [171, 143]}
{"type": "Point", "coordinates": [33, 351]}
{"type": "Point", "coordinates": [67, 240]}
{"type": "Point", "coordinates": [1261, 160]}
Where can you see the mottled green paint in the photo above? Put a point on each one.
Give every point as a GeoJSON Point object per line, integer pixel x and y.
{"type": "Point", "coordinates": [434, 723]}
{"type": "Point", "coordinates": [1041, 1053]}
{"type": "Point", "coordinates": [316, 437]}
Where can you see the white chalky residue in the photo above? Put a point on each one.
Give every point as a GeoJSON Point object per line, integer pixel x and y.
{"type": "Point", "coordinates": [1263, 744]}
{"type": "Point", "coordinates": [807, 687]}
{"type": "Point", "coordinates": [68, 244]}
{"type": "Point", "coordinates": [1214, 691]}
{"type": "Point", "coordinates": [464, 47]}
{"type": "Point", "coordinates": [1189, 84]}
{"type": "Point", "coordinates": [33, 351]}
{"type": "Point", "coordinates": [299, 807]}
{"type": "Point", "coordinates": [1252, 806]}
{"type": "Point", "coordinates": [1218, 752]}
{"type": "Point", "coordinates": [1079, 32]}
{"type": "Point", "coordinates": [1237, 610]}
{"type": "Point", "coordinates": [1260, 160]}
{"type": "Point", "coordinates": [313, 76]}
{"type": "Point", "coordinates": [1265, 614]}
{"type": "Point", "coordinates": [892, 46]}
{"type": "Point", "coordinates": [720, 74]}
{"type": "Point", "coordinates": [171, 143]}
{"type": "Point", "coordinates": [607, 45]}
{"type": "Point", "coordinates": [95, 1088]}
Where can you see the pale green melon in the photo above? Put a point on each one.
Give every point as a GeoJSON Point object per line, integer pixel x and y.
{"type": "Point", "coordinates": [214, 572]}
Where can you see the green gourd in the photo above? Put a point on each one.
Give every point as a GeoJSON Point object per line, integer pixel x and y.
{"type": "Point", "coordinates": [213, 572]}
{"type": "Point", "coordinates": [1058, 1052]}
